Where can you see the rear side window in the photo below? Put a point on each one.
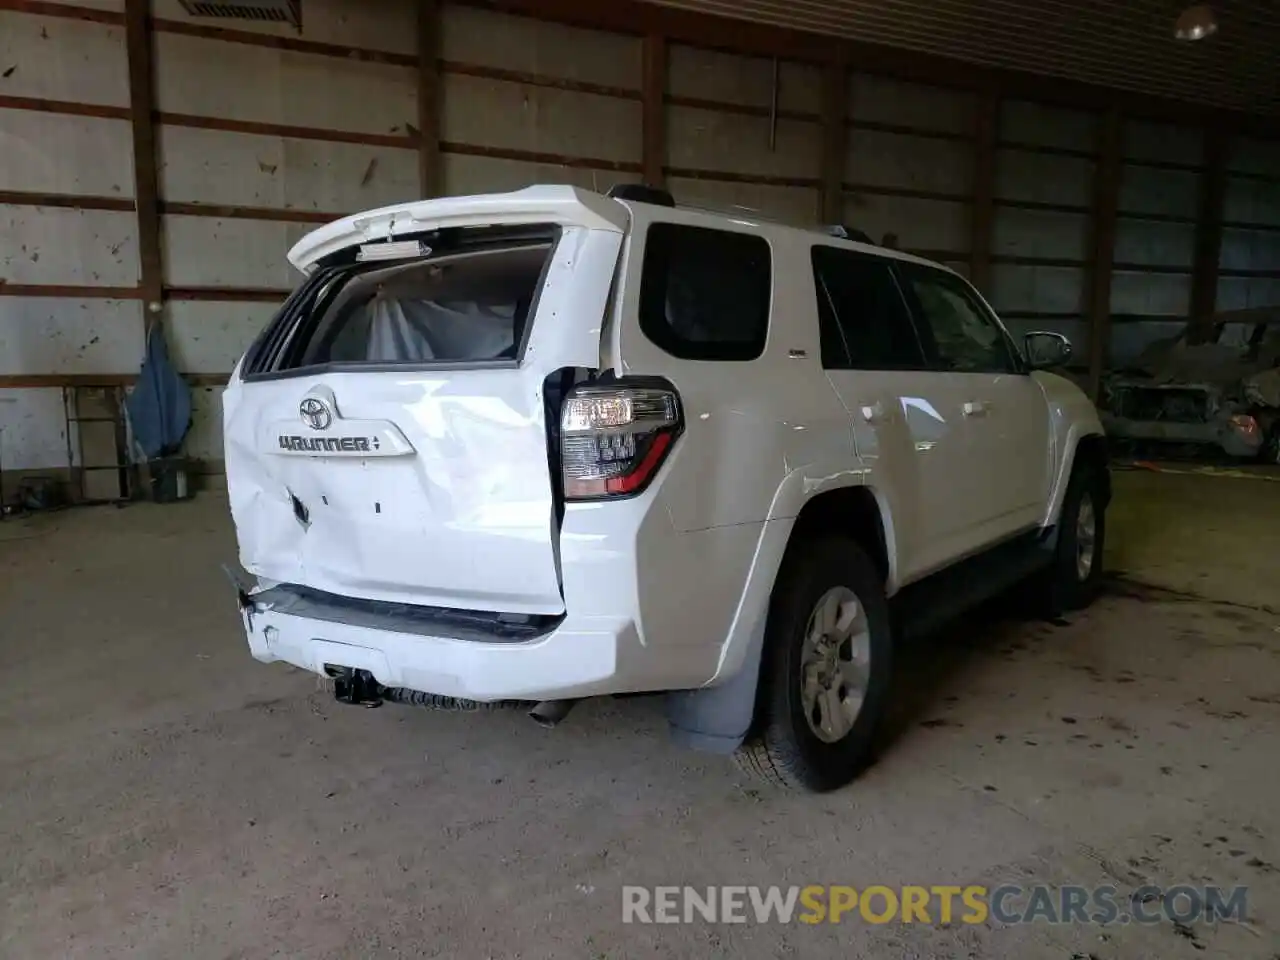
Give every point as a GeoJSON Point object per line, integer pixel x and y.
{"type": "Point", "coordinates": [472, 305]}
{"type": "Point", "coordinates": [864, 321]}
{"type": "Point", "coordinates": [704, 294]}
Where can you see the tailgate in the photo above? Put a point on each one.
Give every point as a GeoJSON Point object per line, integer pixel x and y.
{"type": "Point", "coordinates": [402, 454]}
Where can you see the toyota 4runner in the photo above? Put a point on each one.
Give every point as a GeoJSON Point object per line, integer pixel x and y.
{"type": "Point", "coordinates": [546, 445]}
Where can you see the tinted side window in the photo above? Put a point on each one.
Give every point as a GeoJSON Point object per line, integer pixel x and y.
{"type": "Point", "coordinates": [704, 294]}
{"type": "Point", "coordinates": [864, 321]}
{"type": "Point", "coordinates": [965, 337]}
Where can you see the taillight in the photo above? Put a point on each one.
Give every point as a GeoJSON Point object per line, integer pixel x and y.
{"type": "Point", "coordinates": [614, 438]}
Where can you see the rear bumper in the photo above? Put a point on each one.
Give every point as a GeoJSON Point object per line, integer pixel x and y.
{"type": "Point", "coordinates": [578, 658]}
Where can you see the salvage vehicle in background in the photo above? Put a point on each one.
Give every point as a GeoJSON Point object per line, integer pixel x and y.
{"type": "Point", "coordinates": [547, 445]}
{"type": "Point", "coordinates": [1221, 395]}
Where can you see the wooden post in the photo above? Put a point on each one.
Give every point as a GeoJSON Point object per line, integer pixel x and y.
{"type": "Point", "coordinates": [1106, 198]}
{"type": "Point", "coordinates": [654, 116]}
{"type": "Point", "coordinates": [835, 139]}
{"type": "Point", "coordinates": [146, 190]}
{"type": "Point", "coordinates": [1208, 249]}
{"type": "Point", "coordinates": [430, 174]}
{"type": "Point", "coordinates": [982, 217]}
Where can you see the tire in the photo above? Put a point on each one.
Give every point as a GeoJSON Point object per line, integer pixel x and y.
{"type": "Point", "coordinates": [785, 747]}
{"type": "Point", "coordinates": [1073, 579]}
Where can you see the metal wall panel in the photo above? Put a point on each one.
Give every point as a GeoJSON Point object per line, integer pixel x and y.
{"type": "Point", "coordinates": [218, 252]}
{"type": "Point", "coordinates": [1043, 178]}
{"type": "Point", "coordinates": [1162, 143]}
{"type": "Point", "coordinates": [204, 442]}
{"type": "Point", "coordinates": [881, 100]}
{"type": "Point", "coordinates": [1046, 126]}
{"type": "Point", "coordinates": [1136, 293]}
{"type": "Point", "coordinates": [210, 337]}
{"type": "Point", "coordinates": [1248, 155]}
{"type": "Point", "coordinates": [1240, 293]}
{"type": "Point", "coordinates": [55, 335]}
{"type": "Point", "coordinates": [1148, 190]}
{"type": "Point", "coordinates": [465, 175]}
{"type": "Point", "coordinates": [1252, 201]}
{"type": "Point", "coordinates": [1040, 233]}
{"type": "Point", "coordinates": [212, 78]}
{"type": "Point", "coordinates": [918, 224]}
{"type": "Point", "coordinates": [712, 75]}
{"type": "Point", "coordinates": [57, 59]}
{"type": "Point", "coordinates": [1019, 289]}
{"type": "Point", "coordinates": [495, 113]}
{"type": "Point", "coordinates": [879, 159]}
{"type": "Point", "coordinates": [47, 152]}
{"type": "Point", "coordinates": [1154, 243]}
{"type": "Point", "coordinates": [238, 169]}
{"type": "Point", "coordinates": [712, 140]}
{"type": "Point", "coordinates": [33, 431]}
{"type": "Point", "coordinates": [1129, 340]}
{"type": "Point", "coordinates": [1051, 295]}
{"type": "Point", "coordinates": [795, 205]}
{"type": "Point", "coordinates": [521, 44]}
{"type": "Point", "coordinates": [1250, 250]}
{"type": "Point", "coordinates": [54, 245]}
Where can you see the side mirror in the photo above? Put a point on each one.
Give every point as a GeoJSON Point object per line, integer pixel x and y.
{"type": "Point", "coordinates": [1045, 349]}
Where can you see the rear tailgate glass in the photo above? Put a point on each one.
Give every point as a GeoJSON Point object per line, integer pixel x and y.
{"type": "Point", "coordinates": [466, 304]}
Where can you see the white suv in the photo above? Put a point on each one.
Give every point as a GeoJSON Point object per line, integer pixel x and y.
{"type": "Point", "coordinates": [546, 445]}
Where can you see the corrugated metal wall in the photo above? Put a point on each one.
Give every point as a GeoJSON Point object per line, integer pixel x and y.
{"type": "Point", "coordinates": [257, 143]}
{"type": "Point", "coordinates": [47, 325]}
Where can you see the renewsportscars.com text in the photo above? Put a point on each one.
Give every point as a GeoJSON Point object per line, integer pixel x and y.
{"type": "Point", "coordinates": [877, 904]}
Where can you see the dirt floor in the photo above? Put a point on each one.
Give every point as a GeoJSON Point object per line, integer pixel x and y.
{"type": "Point", "coordinates": [162, 795]}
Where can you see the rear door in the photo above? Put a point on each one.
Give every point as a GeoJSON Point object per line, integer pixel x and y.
{"type": "Point", "coordinates": [1005, 416]}
{"type": "Point", "coordinates": [907, 418]}
{"type": "Point", "coordinates": [386, 438]}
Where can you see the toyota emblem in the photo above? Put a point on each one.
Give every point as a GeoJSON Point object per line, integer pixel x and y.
{"type": "Point", "coordinates": [315, 413]}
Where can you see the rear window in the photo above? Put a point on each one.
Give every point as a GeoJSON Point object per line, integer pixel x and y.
{"type": "Point", "coordinates": [472, 305]}
{"type": "Point", "coordinates": [704, 294]}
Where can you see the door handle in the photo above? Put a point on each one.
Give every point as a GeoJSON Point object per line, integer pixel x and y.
{"type": "Point", "coordinates": [975, 408]}
{"type": "Point", "coordinates": [873, 412]}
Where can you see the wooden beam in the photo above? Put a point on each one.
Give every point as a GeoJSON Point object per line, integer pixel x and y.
{"type": "Point", "coordinates": [982, 216]}
{"type": "Point", "coordinates": [835, 139]}
{"type": "Point", "coordinates": [146, 187]}
{"type": "Point", "coordinates": [1208, 243]}
{"type": "Point", "coordinates": [654, 117]}
{"type": "Point", "coordinates": [430, 96]}
{"type": "Point", "coordinates": [1106, 199]}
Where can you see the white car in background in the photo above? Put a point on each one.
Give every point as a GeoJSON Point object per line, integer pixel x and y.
{"type": "Point", "coordinates": [547, 445]}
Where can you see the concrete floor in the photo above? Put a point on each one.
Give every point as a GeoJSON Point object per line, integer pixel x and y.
{"type": "Point", "coordinates": [162, 795]}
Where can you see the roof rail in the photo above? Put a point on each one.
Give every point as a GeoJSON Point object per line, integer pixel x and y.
{"type": "Point", "coordinates": [642, 193]}
{"type": "Point", "coordinates": [849, 233]}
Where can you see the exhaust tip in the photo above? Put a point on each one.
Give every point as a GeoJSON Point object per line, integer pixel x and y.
{"type": "Point", "coordinates": [548, 713]}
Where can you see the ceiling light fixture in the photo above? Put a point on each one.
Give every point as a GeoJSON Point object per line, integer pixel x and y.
{"type": "Point", "coordinates": [1196, 23]}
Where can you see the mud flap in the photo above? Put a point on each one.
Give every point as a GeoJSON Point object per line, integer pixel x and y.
{"type": "Point", "coordinates": [717, 719]}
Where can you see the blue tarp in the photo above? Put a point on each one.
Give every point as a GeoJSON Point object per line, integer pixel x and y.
{"type": "Point", "coordinates": [159, 407]}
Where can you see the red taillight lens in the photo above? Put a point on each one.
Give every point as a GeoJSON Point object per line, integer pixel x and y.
{"type": "Point", "coordinates": [613, 439]}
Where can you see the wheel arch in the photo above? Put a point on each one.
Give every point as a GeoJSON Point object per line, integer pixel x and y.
{"type": "Point", "coordinates": [718, 717]}
{"type": "Point", "coordinates": [1090, 447]}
